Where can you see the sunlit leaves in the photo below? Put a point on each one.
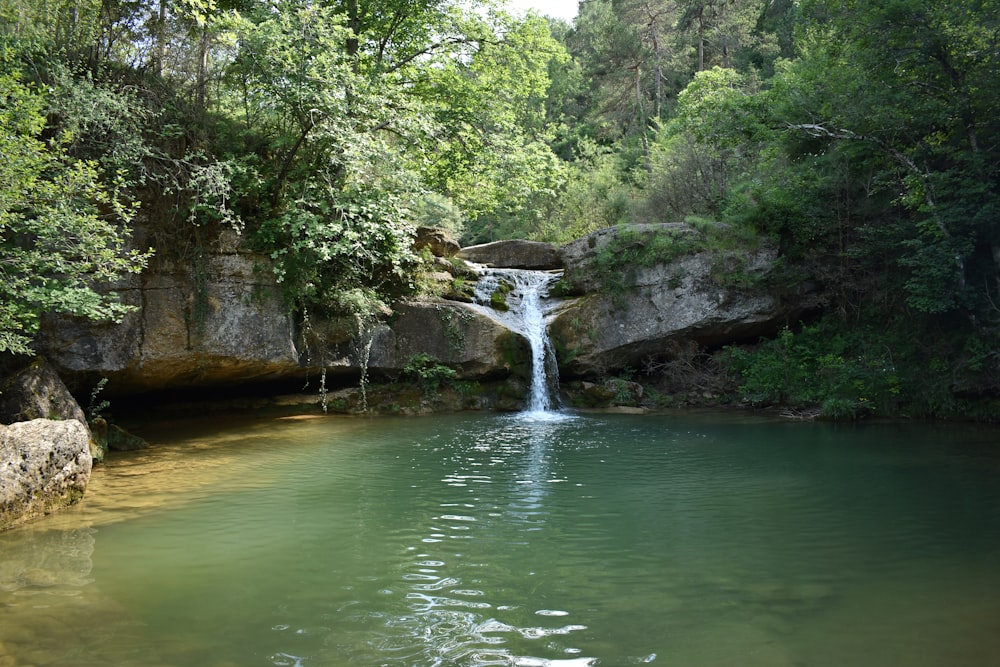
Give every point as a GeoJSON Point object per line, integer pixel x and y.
{"type": "Point", "coordinates": [59, 228]}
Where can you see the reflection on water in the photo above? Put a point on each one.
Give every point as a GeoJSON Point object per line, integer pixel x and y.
{"type": "Point", "coordinates": [496, 489]}
{"type": "Point", "coordinates": [499, 540]}
{"type": "Point", "coordinates": [47, 562]}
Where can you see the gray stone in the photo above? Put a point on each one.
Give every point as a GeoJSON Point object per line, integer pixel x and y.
{"type": "Point", "coordinates": [223, 322]}
{"type": "Point", "coordinates": [438, 241]}
{"type": "Point", "coordinates": [514, 255]}
{"type": "Point", "coordinates": [44, 465]}
{"type": "Point", "coordinates": [37, 392]}
{"type": "Point", "coordinates": [670, 306]}
{"type": "Point", "coordinates": [456, 334]}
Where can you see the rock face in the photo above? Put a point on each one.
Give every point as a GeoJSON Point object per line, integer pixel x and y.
{"type": "Point", "coordinates": [220, 322]}
{"type": "Point", "coordinates": [514, 255]}
{"type": "Point", "coordinates": [37, 392]}
{"type": "Point", "coordinates": [44, 465]}
{"type": "Point", "coordinates": [456, 334]}
{"type": "Point", "coordinates": [224, 323]}
{"type": "Point", "coordinates": [693, 299]}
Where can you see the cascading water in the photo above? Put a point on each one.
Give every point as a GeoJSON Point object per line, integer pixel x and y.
{"type": "Point", "coordinates": [524, 293]}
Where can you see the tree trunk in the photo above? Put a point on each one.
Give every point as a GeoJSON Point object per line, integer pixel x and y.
{"type": "Point", "coordinates": [201, 83]}
{"type": "Point", "coordinates": [701, 39]}
{"type": "Point", "coordinates": [659, 68]}
{"type": "Point", "coordinates": [161, 38]}
{"type": "Point", "coordinates": [641, 120]}
{"type": "Point", "coordinates": [354, 23]}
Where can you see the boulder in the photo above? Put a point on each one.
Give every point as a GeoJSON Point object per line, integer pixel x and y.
{"type": "Point", "coordinates": [456, 334]}
{"type": "Point", "coordinates": [514, 255]}
{"type": "Point", "coordinates": [37, 392]}
{"type": "Point", "coordinates": [669, 306]}
{"type": "Point", "coordinates": [438, 241]}
{"type": "Point", "coordinates": [44, 465]}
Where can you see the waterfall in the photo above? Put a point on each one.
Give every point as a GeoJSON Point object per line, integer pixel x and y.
{"type": "Point", "coordinates": [524, 293]}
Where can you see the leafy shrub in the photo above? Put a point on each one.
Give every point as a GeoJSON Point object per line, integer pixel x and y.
{"type": "Point", "coordinates": [428, 372]}
{"type": "Point", "coordinates": [62, 229]}
{"type": "Point", "coordinates": [617, 263]}
{"type": "Point", "coordinates": [846, 376]}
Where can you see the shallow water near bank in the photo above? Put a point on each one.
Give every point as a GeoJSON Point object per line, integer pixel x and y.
{"type": "Point", "coordinates": [568, 540]}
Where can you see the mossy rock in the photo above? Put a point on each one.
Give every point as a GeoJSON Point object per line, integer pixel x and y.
{"type": "Point", "coordinates": [498, 299]}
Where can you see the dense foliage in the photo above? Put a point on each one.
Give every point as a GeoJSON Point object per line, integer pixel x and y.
{"type": "Point", "coordinates": [862, 137]}
{"type": "Point", "coordinates": [60, 229]}
{"type": "Point", "coordinates": [321, 132]}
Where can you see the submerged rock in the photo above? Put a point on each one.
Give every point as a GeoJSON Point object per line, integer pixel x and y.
{"type": "Point", "coordinates": [44, 465]}
{"type": "Point", "coordinates": [111, 437]}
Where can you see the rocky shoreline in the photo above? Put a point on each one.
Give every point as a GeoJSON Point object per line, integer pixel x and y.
{"type": "Point", "coordinates": [219, 334]}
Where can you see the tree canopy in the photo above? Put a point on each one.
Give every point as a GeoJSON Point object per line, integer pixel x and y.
{"type": "Point", "coordinates": [62, 232]}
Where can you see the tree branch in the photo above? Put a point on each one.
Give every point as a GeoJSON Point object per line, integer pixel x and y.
{"type": "Point", "coordinates": [821, 131]}
{"type": "Point", "coordinates": [431, 49]}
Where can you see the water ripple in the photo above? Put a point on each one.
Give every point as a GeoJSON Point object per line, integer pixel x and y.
{"type": "Point", "coordinates": [490, 540]}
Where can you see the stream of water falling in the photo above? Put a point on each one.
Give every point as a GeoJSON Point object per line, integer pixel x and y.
{"type": "Point", "coordinates": [527, 314]}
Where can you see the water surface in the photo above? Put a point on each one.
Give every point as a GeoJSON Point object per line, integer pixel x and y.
{"type": "Point", "coordinates": [694, 540]}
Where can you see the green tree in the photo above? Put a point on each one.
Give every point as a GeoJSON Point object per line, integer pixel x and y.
{"type": "Point", "coordinates": [492, 152]}
{"type": "Point", "coordinates": [714, 140]}
{"type": "Point", "coordinates": [331, 217]}
{"type": "Point", "coordinates": [364, 109]}
{"type": "Point", "coordinates": [62, 235]}
{"type": "Point", "coordinates": [901, 92]}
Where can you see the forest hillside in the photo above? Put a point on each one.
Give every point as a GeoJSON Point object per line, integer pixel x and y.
{"type": "Point", "coordinates": [862, 139]}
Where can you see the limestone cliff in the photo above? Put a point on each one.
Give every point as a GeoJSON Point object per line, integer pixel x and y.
{"type": "Point", "coordinates": [694, 296]}
{"type": "Point", "coordinates": [222, 322]}
{"type": "Point", "coordinates": [219, 321]}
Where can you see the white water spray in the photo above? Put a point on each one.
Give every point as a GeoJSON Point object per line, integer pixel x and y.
{"type": "Point", "coordinates": [527, 315]}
